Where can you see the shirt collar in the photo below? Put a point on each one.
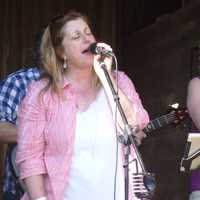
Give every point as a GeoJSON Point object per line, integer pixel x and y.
{"type": "Point", "coordinates": [66, 82]}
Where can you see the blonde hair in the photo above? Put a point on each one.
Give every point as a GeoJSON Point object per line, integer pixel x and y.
{"type": "Point", "coordinates": [51, 51]}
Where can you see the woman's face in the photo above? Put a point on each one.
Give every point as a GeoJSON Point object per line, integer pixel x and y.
{"type": "Point", "coordinates": [77, 38]}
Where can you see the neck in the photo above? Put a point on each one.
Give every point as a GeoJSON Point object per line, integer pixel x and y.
{"type": "Point", "coordinates": [80, 78]}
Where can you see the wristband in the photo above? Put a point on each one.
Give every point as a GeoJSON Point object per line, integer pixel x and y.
{"type": "Point", "coordinates": [41, 198]}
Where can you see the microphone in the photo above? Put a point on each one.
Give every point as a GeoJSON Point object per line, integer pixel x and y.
{"type": "Point", "coordinates": [93, 48]}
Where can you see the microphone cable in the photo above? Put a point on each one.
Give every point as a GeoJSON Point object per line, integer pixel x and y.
{"type": "Point", "coordinates": [116, 133]}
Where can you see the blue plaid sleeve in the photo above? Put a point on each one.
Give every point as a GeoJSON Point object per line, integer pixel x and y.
{"type": "Point", "coordinates": [10, 95]}
{"type": "Point", "coordinates": [13, 90]}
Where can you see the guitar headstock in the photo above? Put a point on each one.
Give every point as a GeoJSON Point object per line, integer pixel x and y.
{"type": "Point", "coordinates": [177, 113]}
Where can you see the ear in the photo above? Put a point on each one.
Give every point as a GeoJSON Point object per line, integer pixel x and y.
{"type": "Point", "coordinates": [60, 52]}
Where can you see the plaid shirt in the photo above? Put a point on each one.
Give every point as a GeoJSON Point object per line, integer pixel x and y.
{"type": "Point", "coordinates": [12, 91]}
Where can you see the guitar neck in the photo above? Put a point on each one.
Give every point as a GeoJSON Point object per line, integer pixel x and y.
{"type": "Point", "coordinates": [159, 122]}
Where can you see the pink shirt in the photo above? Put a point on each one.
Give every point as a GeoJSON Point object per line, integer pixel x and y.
{"type": "Point", "coordinates": [46, 132]}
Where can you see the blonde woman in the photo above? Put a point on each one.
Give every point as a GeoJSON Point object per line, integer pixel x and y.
{"type": "Point", "coordinates": [66, 135]}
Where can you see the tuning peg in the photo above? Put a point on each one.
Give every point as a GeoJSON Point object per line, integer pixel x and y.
{"type": "Point", "coordinates": [174, 105]}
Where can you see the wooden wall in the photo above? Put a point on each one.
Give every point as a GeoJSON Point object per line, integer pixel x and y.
{"type": "Point", "coordinates": [157, 58]}
{"type": "Point", "coordinates": [21, 19]}
{"type": "Point", "coordinates": [162, 58]}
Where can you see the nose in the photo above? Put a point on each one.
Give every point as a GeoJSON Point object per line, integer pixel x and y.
{"type": "Point", "coordinates": [87, 38]}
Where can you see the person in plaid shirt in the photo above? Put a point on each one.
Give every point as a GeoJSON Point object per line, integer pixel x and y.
{"type": "Point", "coordinates": [12, 91]}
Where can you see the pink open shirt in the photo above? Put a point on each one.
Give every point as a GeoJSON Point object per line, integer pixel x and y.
{"type": "Point", "coordinates": [46, 131]}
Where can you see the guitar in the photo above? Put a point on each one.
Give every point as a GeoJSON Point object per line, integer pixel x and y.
{"type": "Point", "coordinates": [143, 186]}
{"type": "Point", "coordinates": [174, 116]}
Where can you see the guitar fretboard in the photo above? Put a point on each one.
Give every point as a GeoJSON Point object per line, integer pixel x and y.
{"type": "Point", "coordinates": [160, 122]}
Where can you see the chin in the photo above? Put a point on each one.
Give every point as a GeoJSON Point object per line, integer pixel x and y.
{"type": "Point", "coordinates": [88, 64]}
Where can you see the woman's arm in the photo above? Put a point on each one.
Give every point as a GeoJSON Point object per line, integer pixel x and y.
{"type": "Point", "coordinates": [35, 186]}
{"type": "Point", "coordinates": [193, 101]}
{"type": "Point", "coordinates": [129, 98]}
{"type": "Point", "coordinates": [31, 143]}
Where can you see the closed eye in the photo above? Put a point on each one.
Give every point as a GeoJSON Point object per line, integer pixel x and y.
{"type": "Point", "coordinates": [76, 36]}
{"type": "Point", "coordinates": [88, 32]}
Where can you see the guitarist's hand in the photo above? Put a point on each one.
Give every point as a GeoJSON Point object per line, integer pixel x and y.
{"type": "Point", "coordinates": [139, 136]}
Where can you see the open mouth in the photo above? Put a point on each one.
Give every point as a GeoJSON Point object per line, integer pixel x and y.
{"type": "Point", "coordinates": [85, 51]}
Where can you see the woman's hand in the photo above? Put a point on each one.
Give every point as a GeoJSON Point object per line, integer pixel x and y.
{"type": "Point", "coordinates": [139, 136]}
{"type": "Point", "coordinates": [98, 59]}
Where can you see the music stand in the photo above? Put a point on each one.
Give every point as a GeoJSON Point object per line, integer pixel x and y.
{"type": "Point", "coordinates": [191, 158]}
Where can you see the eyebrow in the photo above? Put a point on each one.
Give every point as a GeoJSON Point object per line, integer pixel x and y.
{"type": "Point", "coordinates": [79, 31]}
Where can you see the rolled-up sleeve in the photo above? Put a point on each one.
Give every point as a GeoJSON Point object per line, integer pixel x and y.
{"type": "Point", "coordinates": [30, 138]}
{"type": "Point", "coordinates": [10, 96]}
{"type": "Point", "coordinates": [127, 86]}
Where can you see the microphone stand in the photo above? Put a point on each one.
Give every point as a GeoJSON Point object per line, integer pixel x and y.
{"type": "Point", "coordinates": [128, 136]}
{"type": "Point", "coordinates": [186, 160]}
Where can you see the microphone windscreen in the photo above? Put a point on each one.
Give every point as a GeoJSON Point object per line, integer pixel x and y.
{"type": "Point", "coordinates": [93, 47]}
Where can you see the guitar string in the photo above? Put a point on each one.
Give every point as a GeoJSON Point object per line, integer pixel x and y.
{"type": "Point", "coordinates": [170, 117]}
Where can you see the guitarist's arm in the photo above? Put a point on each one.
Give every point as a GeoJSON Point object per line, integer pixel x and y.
{"type": "Point", "coordinates": [11, 94]}
{"type": "Point", "coordinates": [193, 101]}
{"type": "Point", "coordinates": [8, 132]}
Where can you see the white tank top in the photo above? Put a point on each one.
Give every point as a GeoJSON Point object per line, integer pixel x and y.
{"type": "Point", "coordinates": [92, 172]}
